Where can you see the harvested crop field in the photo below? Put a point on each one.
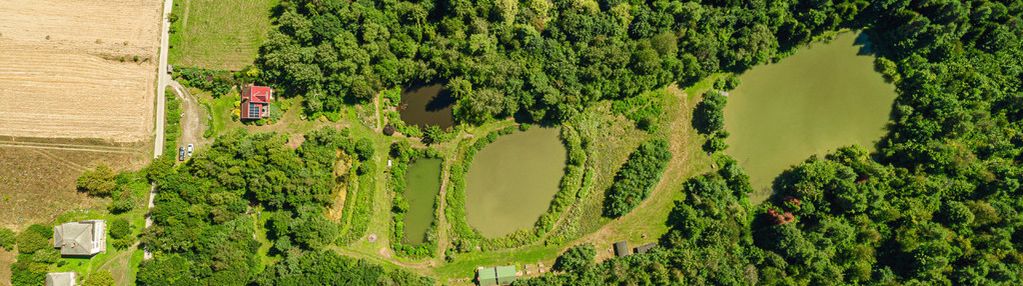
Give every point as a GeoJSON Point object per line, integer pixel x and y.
{"type": "Point", "coordinates": [79, 68]}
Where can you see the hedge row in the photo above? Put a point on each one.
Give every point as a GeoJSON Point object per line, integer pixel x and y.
{"type": "Point", "coordinates": [359, 202]}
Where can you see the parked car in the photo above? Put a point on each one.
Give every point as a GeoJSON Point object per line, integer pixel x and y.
{"type": "Point", "coordinates": [181, 153]}
{"type": "Point", "coordinates": [190, 149]}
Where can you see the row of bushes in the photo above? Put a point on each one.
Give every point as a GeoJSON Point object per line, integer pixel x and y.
{"type": "Point", "coordinates": [466, 239]}
{"type": "Point", "coordinates": [636, 177]}
{"type": "Point", "coordinates": [359, 203]}
{"type": "Point", "coordinates": [216, 82]}
{"type": "Point", "coordinates": [403, 155]}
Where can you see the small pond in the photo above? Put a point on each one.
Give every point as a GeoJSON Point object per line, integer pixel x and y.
{"type": "Point", "coordinates": [427, 105]}
{"type": "Point", "coordinates": [423, 179]}
{"type": "Point", "coordinates": [823, 97]}
{"type": "Point", "coordinates": [511, 181]}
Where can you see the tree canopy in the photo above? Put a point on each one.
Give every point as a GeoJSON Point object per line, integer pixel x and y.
{"type": "Point", "coordinates": [937, 204]}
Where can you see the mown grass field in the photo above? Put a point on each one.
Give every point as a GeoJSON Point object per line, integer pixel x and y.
{"type": "Point", "coordinates": [218, 34]}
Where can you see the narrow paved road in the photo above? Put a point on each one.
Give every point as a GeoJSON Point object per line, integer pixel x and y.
{"type": "Point", "coordinates": [161, 88]}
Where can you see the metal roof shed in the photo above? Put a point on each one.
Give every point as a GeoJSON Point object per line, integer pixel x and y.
{"type": "Point", "coordinates": [505, 274]}
{"type": "Point", "coordinates": [621, 248]}
{"type": "Point", "coordinates": [644, 248]}
{"type": "Point", "coordinates": [486, 276]}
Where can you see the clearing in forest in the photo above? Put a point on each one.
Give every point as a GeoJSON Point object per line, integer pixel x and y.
{"type": "Point", "coordinates": [218, 34]}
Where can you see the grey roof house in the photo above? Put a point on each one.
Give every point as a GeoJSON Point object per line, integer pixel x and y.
{"type": "Point", "coordinates": [84, 238]}
{"type": "Point", "coordinates": [60, 279]}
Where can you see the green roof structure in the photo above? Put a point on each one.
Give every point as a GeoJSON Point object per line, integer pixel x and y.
{"type": "Point", "coordinates": [486, 276]}
{"type": "Point", "coordinates": [500, 275]}
{"type": "Point", "coordinates": [505, 274]}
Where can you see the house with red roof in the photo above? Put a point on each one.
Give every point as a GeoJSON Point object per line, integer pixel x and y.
{"type": "Point", "coordinates": [255, 103]}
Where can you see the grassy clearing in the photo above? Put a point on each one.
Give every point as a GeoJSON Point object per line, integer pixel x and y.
{"type": "Point", "coordinates": [610, 139]}
{"type": "Point", "coordinates": [221, 118]}
{"type": "Point", "coordinates": [219, 34]}
{"type": "Point", "coordinates": [647, 222]}
{"type": "Point", "coordinates": [463, 268]}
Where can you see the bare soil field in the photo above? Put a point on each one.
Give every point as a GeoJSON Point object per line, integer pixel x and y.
{"type": "Point", "coordinates": [78, 68]}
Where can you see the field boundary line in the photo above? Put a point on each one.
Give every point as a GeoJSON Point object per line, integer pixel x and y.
{"type": "Point", "coordinates": [67, 163]}
{"type": "Point", "coordinates": [77, 148]}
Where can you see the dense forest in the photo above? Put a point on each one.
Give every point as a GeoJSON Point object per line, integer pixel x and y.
{"type": "Point", "coordinates": [939, 201]}
{"type": "Point", "coordinates": [937, 204]}
{"type": "Point", "coordinates": [539, 59]}
{"type": "Point", "coordinates": [207, 212]}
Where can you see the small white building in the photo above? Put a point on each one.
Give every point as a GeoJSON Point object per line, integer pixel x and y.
{"type": "Point", "coordinates": [84, 238]}
{"type": "Point", "coordinates": [61, 279]}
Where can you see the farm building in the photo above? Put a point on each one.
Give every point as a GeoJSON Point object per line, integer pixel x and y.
{"type": "Point", "coordinates": [255, 103]}
{"type": "Point", "coordinates": [621, 248]}
{"type": "Point", "coordinates": [644, 248]}
{"type": "Point", "coordinates": [84, 238]}
{"type": "Point", "coordinates": [500, 275]}
{"type": "Point", "coordinates": [60, 279]}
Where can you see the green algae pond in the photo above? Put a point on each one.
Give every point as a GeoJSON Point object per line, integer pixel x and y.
{"type": "Point", "coordinates": [512, 181]}
{"type": "Point", "coordinates": [423, 179]}
{"type": "Point", "coordinates": [822, 97]}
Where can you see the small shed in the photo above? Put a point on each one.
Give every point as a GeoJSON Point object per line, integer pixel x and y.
{"type": "Point", "coordinates": [60, 279]}
{"type": "Point", "coordinates": [505, 274]}
{"type": "Point", "coordinates": [486, 276]}
{"type": "Point", "coordinates": [621, 248]}
{"type": "Point", "coordinates": [644, 248]}
{"type": "Point", "coordinates": [500, 275]}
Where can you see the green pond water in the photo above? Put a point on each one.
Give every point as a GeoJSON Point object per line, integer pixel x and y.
{"type": "Point", "coordinates": [823, 97]}
{"type": "Point", "coordinates": [423, 179]}
{"type": "Point", "coordinates": [511, 181]}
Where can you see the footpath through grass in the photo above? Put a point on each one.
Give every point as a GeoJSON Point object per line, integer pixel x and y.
{"type": "Point", "coordinates": [218, 34]}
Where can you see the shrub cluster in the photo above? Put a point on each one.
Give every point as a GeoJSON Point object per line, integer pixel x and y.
{"type": "Point", "coordinates": [216, 82]}
{"type": "Point", "coordinates": [636, 177]}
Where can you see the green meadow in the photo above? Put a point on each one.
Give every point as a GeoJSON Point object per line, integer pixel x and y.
{"type": "Point", "coordinates": [218, 34]}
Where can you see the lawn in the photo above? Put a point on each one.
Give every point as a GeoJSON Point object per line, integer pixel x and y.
{"type": "Point", "coordinates": [122, 263]}
{"type": "Point", "coordinates": [218, 34]}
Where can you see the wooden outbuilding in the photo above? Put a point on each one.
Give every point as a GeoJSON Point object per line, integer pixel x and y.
{"type": "Point", "coordinates": [644, 248]}
{"type": "Point", "coordinates": [621, 248]}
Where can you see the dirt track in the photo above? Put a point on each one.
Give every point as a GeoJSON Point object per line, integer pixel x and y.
{"type": "Point", "coordinates": [78, 68]}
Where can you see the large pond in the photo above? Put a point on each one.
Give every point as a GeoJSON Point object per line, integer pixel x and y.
{"type": "Point", "coordinates": [821, 98]}
{"type": "Point", "coordinates": [427, 105]}
{"type": "Point", "coordinates": [511, 181]}
{"type": "Point", "coordinates": [423, 179]}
